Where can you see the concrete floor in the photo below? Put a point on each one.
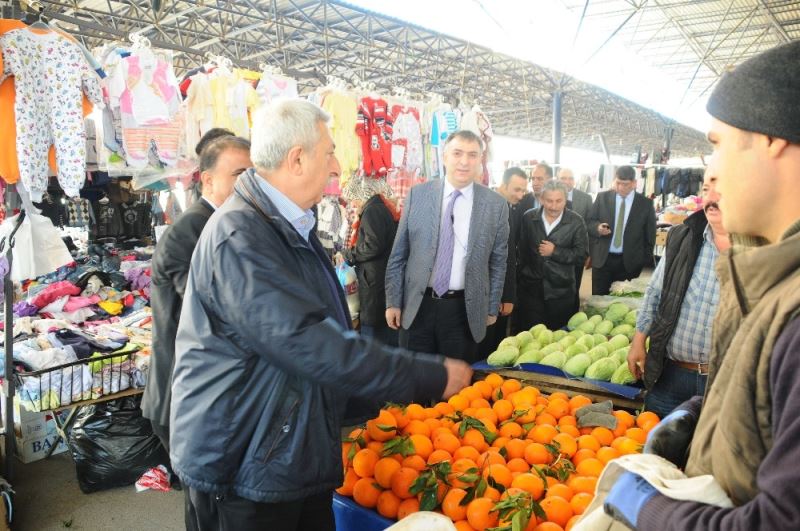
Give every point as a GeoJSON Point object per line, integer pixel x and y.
{"type": "Point", "coordinates": [48, 498]}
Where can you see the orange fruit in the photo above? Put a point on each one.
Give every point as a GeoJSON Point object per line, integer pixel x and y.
{"type": "Point", "coordinates": [463, 525]}
{"type": "Point", "coordinates": [518, 465]}
{"type": "Point", "coordinates": [474, 438]}
{"type": "Point", "coordinates": [446, 441]}
{"type": "Point", "coordinates": [444, 408]}
{"type": "Point", "coordinates": [629, 446]}
{"type": "Point", "coordinates": [603, 435]}
{"type": "Point", "coordinates": [577, 402]}
{"type": "Point", "coordinates": [458, 402]}
{"type": "Point", "coordinates": [384, 470]}
{"type": "Point", "coordinates": [570, 430]}
{"type": "Point", "coordinates": [350, 478]}
{"type": "Point", "coordinates": [493, 494]}
{"type": "Point", "coordinates": [417, 427]}
{"type": "Point", "coordinates": [480, 514]}
{"type": "Point", "coordinates": [580, 455]}
{"type": "Point", "coordinates": [486, 414]}
{"type": "Point", "coordinates": [364, 462]}
{"type": "Point", "coordinates": [400, 416]}
{"type": "Point", "coordinates": [460, 468]}
{"type": "Point", "coordinates": [500, 442]}
{"type": "Point", "coordinates": [590, 467]}
{"type": "Point", "coordinates": [494, 379]}
{"type": "Point", "coordinates": [480, 403]}
{"type": "Point", "coordinates": [511, 430]}
{"type": "Point", "coordinates": [646, 417]}
{"type": "Point", "coordinates": [499, 473]}
{"type": "Point", "coordinates": [402, 480]}
{"type": "Point", "coordinates": [388, 504]}
{"type": "Point", "coordinates": [580, 502]}
{"type": "Point", "coordinates": [466, 452]}
{"type": "Point", "coordinates": [510, 386]}
{"type": "Point", "coordinates": [545, 418]}
{"type": "Point", "coordinates": [365, 492]}
{"type": "Point", "coordinates": [558, 407]}
{"type": "Point", "coordinates": [378, 428]}
{"type": "Point", "coordinates": [558, 510]}
{"type": "Point", "coordinates": [375, 446]}
{"type": "Point", "coordinates": [422, 445]}
{"type": "Point", "coordinates": [409, 506]}
{"type": "Point", "coordinates": [490, 458]}
{"type": "Point", "coordinates": [431, 413]}
{"type": "Point", "coordinates": [416, 462]}
{"type": "Point", "coordinates": [560, 490]}
{"type": "Point", "coordinates": [451, 504]}
{"type": "Point", "coordinates": [568, 420]}
{"type": "Point", "coordinates": [566, 444]}
{"type": "Point", "coordinates": [606, 454]}
{"type": "Point", "coordinates": [530, 483]}
{"type": "Point", "coordinates": [503, 408]}
{"type": "Point", "coordinates": [548, 526]}
{"type": "Point", "coordinates": [542, 434]}
{"type": "Point", "coordinates": [437, 456]}
{"type": "Point", "coordinates": [484, 388]}
{"type": "Point", "coordinates": [637, 434]}
{"type": "Point", "coordinates": [588, 442]}
{"type": "Point", "coordinates": [432, 424]}
{"type": "Point", "coordinates": [582, 484]}
{"type": "Point", "coordinates": [572, 522]}
{"type": "Point", "coordinates": [516, 448]}
{"type": "Point", "coordinates": [415, 412]}
{"type": "Point", "coordinates": [537, 454]}
{"type": "Point", "coordinates": [559, 394]}
{"type": "Point", "coordinates": [624, 418]}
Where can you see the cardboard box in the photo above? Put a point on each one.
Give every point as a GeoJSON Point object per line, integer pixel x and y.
{"type": "Point", "coordinates": [34, 433]}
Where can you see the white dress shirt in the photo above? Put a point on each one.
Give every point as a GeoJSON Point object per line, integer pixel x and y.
{"type": "Point", "coordinates": [462, 213]}
{"type": "Point", "coordinates": [627, 202]}
{"type": "Point", "coordinates": [548, 227]}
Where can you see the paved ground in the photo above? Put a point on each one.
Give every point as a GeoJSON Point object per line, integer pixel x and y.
{"type": "Point", "coordinates": [48, 499]}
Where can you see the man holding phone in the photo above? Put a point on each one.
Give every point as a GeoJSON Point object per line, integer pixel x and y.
{"type": "Point", "coordinates": [622, 232]}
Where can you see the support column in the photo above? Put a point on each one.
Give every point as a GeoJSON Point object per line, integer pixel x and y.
{"type": "Point", "coordinates": [557, 97]}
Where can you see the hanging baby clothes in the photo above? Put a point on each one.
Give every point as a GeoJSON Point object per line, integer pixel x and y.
{"type": "Point", "coordinates": [476, 121]}
{"type": "Point", "coordinates": [50, 76]}
{"type": "Point", "coordinates": [272, 86]}
{"type": "Point", "coordinates": [242, 103]}
{"type": "Point", "coordinates": [9, 162]}
{"type": "Point", "coordinates": [344, 113]}
{"type": "Point", "coordinates": [199, 109]}
{"type": "Point", "coordinates": [374, 128]}
{"type": "Point", "coordinates": [443, 124]}
{"type": "Point", "coordinates": [332, 225]}
{"type": "Point", "coordinates": [406, 139]}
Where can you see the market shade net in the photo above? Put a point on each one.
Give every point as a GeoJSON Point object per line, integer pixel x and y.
{"type": "Point", "coordinates": [313, 41]}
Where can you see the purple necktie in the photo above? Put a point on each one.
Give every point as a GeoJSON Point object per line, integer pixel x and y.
{"type": "Point", "coordinates": [444, 254]}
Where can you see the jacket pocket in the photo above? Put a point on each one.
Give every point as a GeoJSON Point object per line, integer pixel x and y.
{"type": "Point", "coordinates": [284, 421]}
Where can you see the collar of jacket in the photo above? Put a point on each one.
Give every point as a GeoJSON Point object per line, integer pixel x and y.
{"type": "Point", "coordinates": [247, 187]}
{"type": "Point", "coordinates": [754, 270]}
{"type": "Point", "coordinates": [566, 216]}
{"type": "Point", "coordinates": [697, 221]}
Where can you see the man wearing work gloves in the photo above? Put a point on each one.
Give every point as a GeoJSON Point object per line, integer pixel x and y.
{"type": "Point", "coordinates": [679, 308]}
{"type": "Point", "coordinates": [265, 358]}
{"type": "Point", "coordinates": [747, 432]}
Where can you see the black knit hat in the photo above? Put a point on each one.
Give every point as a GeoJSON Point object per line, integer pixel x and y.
{"type": "Point", "coordinates": [762, 94]}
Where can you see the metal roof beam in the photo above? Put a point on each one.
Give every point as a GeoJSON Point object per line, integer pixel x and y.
{"type": "Point", "coordinates": [774, 21]}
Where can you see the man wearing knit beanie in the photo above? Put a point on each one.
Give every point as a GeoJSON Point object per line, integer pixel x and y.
{"type": "Point", "coordinates": [745, 431]}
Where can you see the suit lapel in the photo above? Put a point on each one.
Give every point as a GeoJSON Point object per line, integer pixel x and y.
{"type": "Point", "coordinates": [436, 208]}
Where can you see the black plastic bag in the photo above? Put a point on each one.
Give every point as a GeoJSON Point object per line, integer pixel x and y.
{"type": "Point", "coordinates": [113, 445]}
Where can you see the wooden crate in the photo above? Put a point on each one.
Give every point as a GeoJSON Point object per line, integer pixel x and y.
{"type": "Point", "coordinates": [550, 384]}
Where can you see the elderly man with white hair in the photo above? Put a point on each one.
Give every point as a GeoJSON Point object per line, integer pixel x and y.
{"type": "Point", "coordinates": [265, 358]}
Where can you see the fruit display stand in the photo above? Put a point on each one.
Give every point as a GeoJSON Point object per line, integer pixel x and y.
{"type": "Point", "coordinates": [550, 379]}
{"type": "Point", "coordinates": [350, 516]}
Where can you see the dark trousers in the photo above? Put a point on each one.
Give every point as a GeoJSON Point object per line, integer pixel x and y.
{"type": "Point", "coordinates": [532, 308]}
{"type": "Point", "coordinates": [382, 333]}
{"type": "Point", "coordinates": [162, 432]}
{"type": "Point", "coordinates": [612, 271]}
{"type": "Point", "coordinates": [578, 282]}
{"type": "Point", "coordinates": [441, 327]}
{"type": "Point", "coordinates": [675, 386]}
{"type": "Point", "coordinates": [494, 335]}
{"type": "Point", "coordinates": [209, 512]}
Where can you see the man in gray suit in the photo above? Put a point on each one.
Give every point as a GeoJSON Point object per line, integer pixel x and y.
{"type": "Point", "coordinates": [446, 272]}
{"type": "Point", "coordinates": [580, 203]}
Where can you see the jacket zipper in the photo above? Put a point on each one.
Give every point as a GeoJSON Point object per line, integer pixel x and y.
{"type": "Point", "coordinates": [284, 429]}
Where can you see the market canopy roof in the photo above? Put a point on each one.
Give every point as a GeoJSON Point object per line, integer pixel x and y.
{"type": "Point", "coordinates": [314, 40]}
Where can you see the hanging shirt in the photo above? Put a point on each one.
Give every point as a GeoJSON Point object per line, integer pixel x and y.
{"type": "Point", "coordinates": [620, 203]}
{"type": "Point", "coordinates": [343, 110]}
{"type": "Point", "coordinates": [242, 103]}
{"type": "Point", "coordinates": [272, 86]}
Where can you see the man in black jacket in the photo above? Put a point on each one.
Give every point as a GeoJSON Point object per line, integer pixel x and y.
{"type": "Point", "coordinates": [622, 231]}
{"type": "Point", "coordinates": [369, 252]}
{"type": "Point", "coordinates": [678, 310]}
{"type": "Point", "coordinates": [512, 188]}
{"type": "Point", "coordinates": [221, 162]}
{"type": "Point", "coordinates": [552, 242]}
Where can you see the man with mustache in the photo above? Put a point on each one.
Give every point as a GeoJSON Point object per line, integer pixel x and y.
{"type": "Point", "coordinates": [678, 310]}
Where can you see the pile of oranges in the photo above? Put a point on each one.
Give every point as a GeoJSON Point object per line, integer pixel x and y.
{"type": "Point", "coordinates": [492, 451]}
